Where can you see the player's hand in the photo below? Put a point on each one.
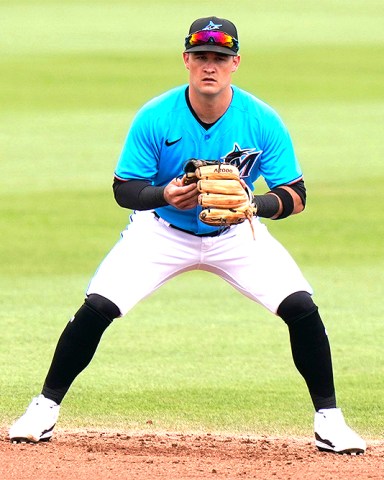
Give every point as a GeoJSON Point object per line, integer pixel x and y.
{"type": "Point", "coordinates": [181, 196]}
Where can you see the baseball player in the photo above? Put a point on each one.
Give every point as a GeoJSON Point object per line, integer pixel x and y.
{"type": "Point", "coordinates": [207, 119]}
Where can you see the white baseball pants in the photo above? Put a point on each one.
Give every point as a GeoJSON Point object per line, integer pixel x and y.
{"type": "Point", "coordinates": [150, 252]}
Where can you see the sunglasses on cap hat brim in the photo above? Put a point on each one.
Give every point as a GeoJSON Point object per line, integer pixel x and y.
{"type": "Point", "coordinates": [209, 40]}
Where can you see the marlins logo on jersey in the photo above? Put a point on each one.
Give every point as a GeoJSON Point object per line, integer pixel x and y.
{"type": "Point", "coordinates": [244, 159]}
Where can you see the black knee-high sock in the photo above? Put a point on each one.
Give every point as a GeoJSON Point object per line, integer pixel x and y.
{"type": "Point", "coordinates": [311, 351]}
{"type": "Point", "coordinates": [75, 349]}
{"type": "Point", "coordinates": [312, 356]}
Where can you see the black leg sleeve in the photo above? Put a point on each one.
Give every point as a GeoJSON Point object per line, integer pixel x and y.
{"type": "Point", "coordinates": [310, 347]}
{"type": "Point", "coordinates": [75, 349]}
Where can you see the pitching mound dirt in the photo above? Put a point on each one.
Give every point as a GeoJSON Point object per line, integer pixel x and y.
{"type": "Point", "coordinates": [78, 455]}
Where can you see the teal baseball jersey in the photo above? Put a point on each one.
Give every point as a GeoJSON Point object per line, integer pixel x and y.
{"type": "Point", "coordinates": [165, 134]}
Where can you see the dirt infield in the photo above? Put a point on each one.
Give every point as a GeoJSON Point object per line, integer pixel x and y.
{"type": "Point", "coordinates": [170, 456]}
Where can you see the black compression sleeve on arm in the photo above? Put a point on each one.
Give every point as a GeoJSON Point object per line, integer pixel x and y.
{"type": "Point", "coordinates": [268, 205]}
{"type": "Point", "coordinates": [299, 188]}
{"type": "Point", "coordinates": [138, 194]}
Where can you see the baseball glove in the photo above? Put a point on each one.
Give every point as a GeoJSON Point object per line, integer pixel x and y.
{"type": "Point", "coordinates": [224, 200]}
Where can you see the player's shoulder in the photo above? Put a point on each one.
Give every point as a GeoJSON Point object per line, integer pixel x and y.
{"type": "Point", "coordinates": [249, 103]}
{"type": "Point", "coordinates": [169, 100]}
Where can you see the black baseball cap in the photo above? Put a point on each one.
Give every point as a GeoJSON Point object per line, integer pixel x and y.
{"type": "Point", "coordinates": [212, 34]}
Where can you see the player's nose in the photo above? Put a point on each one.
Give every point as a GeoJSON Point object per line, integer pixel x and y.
{"type": "Point", "coordinates": [209, 67]}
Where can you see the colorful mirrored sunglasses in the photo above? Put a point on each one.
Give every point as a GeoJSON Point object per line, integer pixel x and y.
{"type": "Point", "coordinates": [203, 37]}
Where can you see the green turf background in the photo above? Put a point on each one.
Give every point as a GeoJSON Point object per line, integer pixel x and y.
{"type": "Point", "coordinates": [72, 74]}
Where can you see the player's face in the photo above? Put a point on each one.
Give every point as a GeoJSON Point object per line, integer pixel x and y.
{"type": "Point", "coordinates": [209, 72]}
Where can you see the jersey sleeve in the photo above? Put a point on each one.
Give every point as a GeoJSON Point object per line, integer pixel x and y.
{"type": "Point", "coordinates": [139, 156]}
{"type": "Point", "coordinates": [278, 162]}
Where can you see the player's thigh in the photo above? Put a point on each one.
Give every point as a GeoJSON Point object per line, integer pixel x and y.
{"type": "Point", "coordinates": [263, 269]}
{"type": "Point", "coordinates": [146, 256]}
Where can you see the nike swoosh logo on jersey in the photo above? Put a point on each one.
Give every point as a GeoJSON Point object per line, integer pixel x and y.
{"type": "Point", "coordinates": [168, 143]}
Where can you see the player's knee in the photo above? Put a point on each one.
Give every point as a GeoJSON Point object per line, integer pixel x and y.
{"type": "Point", "coordinates": [296, 306]}
{"type": "Point", "coordinates": [103, 306]}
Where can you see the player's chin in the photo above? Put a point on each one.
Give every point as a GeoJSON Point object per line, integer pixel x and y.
{"type": "Point", "coordinates": [209, 86]}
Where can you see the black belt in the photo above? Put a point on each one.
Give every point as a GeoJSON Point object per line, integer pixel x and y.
{"type": "Point", "coordinates": [216, 233]}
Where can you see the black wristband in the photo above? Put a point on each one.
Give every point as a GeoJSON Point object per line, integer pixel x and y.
{"type": "Point", "coordinates": [267, 205]}
{"type": "Point", "coordinates": [286, 201]}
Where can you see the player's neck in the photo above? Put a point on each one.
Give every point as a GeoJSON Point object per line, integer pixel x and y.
{"type": "Point", "coordinates": [209, 108]}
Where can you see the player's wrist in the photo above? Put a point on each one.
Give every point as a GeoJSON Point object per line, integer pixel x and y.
{"type": "Point", "coordinates": [267, 205]}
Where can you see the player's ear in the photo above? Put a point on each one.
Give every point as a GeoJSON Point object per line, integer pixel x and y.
{"type": "Point", "coordinates": [186, 60]}
{"type": "Point", "coordinates": [236, 63]}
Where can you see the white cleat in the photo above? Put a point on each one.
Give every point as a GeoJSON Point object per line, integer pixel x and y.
{"type": "Point", "coordinates": [332, 434]}
{"type": "Point", "coordinates": [37, 423]}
